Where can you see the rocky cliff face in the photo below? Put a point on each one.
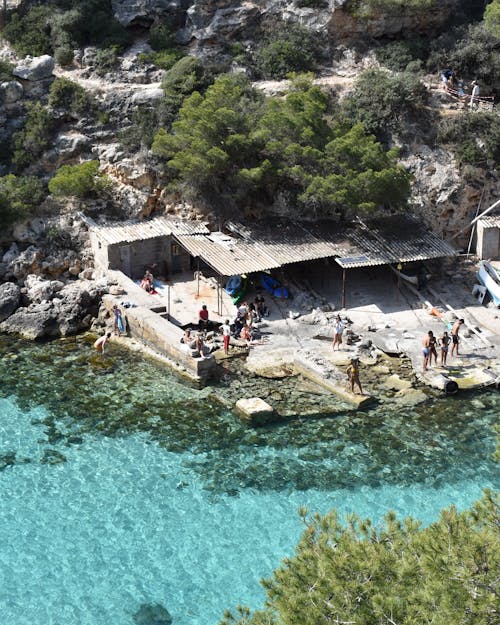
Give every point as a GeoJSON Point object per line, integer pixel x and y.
{"type": "Point", "coordinates": [208, 23]}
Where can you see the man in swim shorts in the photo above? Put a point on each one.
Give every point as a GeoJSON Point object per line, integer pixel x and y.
{"type": "Point", "coordinates": [454, 336]}
{"type": "Point", "coordinates": [444, 341]}
{"type": "Point", "coordinates": [426, 350]}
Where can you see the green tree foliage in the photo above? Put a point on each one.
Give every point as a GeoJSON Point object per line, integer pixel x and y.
{"type": "Point", "coordinates": [234, 144]}
{"type": "Point", "coordinates": [492, 18]}
{"type": "Point", "coordinates": [293, 49]}
{"type": "Point", "coordinates": [399, 574]}
{"type": "Point", "coordinates": [473, 136]}
{"type": "Point", "coordinates": [19, 197]}
{"type": "Point", "coordinates": [211, 141]}
{"type": "Point", "coordinates": [34, 138]}
{"type": "Point", "coordinates": [70, 96]}
{"type": "Point", "coordinates": [381, 100]}
{"type": "Point", "coordinates": [83, 181]}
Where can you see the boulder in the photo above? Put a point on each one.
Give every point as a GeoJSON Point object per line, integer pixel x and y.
{"type": "Point", "coordinates": [33, 322]}
{"type": "Point", "coordinates": [10, 297]}
{"type": "Point", "coordinates": [35, 68]}
{"type": "Point", "coordinates": [38, 289]}
{"type": "Point", "coordinates": [395, 383]}
{"type": "Point", "coordinates": [11, 91]}
{"type": "Point", "coordinates": [255, 411]}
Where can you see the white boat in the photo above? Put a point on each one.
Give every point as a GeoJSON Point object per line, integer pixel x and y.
{"type": "Point", "coordinates": [490, 278]}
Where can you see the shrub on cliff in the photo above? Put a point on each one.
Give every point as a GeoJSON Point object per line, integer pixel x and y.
{"type": "Point", "coordinates": [398, 573]}
{"type": "Point", "coordinates": [5, 70]}
{"type": "Point", "coordinates": [34, 138]}
{"type": "Point", "coordinates": [19, 197]}
{"type": "Point", "coordinates": [83, 181]}
{"type": "Point", "coordinates": [70, 96]}
{"type": "Point", "coordinates": [291, 49]}
{"type": "Point", "coordinates": [64, 24]}
{"type": "Point", "coordinates": [29, 33]}
{"type": "Point", "coordinates": [474, 137]}
{"type": "Point", "coordinates": [382, 101]}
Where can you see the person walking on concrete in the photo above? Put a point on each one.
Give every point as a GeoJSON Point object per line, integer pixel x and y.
{"type": "Point", "coordinates": [337, 332]}
{"type": "Point", "coordinates": [226, 335]}
{"type": "Point", "coordinates": [454, 336]}
{"type": "Point", "coordinates": [353, 375]}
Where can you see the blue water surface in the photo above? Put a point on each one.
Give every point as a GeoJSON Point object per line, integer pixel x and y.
{"type": "Point", "coordinates": [94, 526]}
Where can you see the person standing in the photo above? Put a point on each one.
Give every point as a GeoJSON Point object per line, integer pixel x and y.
{"type": "Point", "coordinates": [226, 335]}
{"type": "Point", "coordinates": [454, 336]}
{"type": "Point", "coordinates": [444, 341]}
{"type": "Point", "coordinates": [474, 96]}
{"type": "Point", "coordinates": [337, 332]}
{"type": "Point", "coordinates": [118, 324]}
{"type": "Point", "coordinates": [425, 351]}
{"type": "Point", "coordinates": [353, 375]}
{"type": "Point", "coordinates": [101, 342]}
{"type": "Point", "coordinates": [432, 348]}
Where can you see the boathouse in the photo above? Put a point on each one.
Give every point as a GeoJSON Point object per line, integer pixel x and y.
{"type": "Point", "coordinates": [488, 238]}
{"type": "Point", "coordinates": [134, 246]}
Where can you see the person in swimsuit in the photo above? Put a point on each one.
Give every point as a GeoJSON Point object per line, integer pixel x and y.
{"type": "Point", "coordinates": [432, 348]}
{"type": "Point", "coordinates": [425, 351]}
{"type": "Point", "coordinates": [101, 342]}
{"type": "Point", "coordinates": [454, 336]}
{"type": "Point", "coordinates": [353, 375]}
{"type": "Point", "coordinates": [118, 324]}
{"type": "Point", "coordinates": [444, 341]}
{"type": "Point", "coordinates": [338, 331]}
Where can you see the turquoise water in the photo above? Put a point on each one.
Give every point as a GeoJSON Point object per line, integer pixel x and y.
{"type": "Point", "coordinates": [121, 485]}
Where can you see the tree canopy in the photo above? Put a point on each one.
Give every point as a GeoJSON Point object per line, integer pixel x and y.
{"type": "Point", "coordinates": [234, 144]}
{"type": "Point", "coordinates": [399, 574]}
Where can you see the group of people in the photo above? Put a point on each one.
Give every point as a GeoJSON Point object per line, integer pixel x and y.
{"type": "Point", "coordinates": [457, 87]}
{"type": "Point", "coordinates": [431, 342]}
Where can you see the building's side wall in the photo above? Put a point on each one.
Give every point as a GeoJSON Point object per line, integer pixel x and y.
{"type": "Point", "coordinates": [488, 242]}
{"type": "Point", "coordinates": [100, 251]}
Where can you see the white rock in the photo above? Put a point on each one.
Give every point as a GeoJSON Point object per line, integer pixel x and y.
{"type": "Point", "coordinates": [35, 68]}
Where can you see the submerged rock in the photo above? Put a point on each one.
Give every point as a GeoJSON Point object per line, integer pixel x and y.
{"type": "Point", "coordinates": [152, 614]}
{"type": "Point", "coordinates": [255, 410]}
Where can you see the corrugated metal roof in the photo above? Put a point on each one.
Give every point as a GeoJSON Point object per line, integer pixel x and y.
{"type": "Point", "coordinates": [228, 260]}
{"type": "Point", "coordinates": [129, 231]}
{"type": "Point", "coordinates": [490, 221]}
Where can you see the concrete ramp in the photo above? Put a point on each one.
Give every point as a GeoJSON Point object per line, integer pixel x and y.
{"type": "Point", "coordinates": [334, 379]}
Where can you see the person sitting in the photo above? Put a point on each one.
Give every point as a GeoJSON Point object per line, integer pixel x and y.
{"type": "Point", "coordinates": [203, 318]}
{"type": "Point", "coordinates": [186, 337]}
{"type": "Point", "coordinates": [242, 310]}
{"type": "Point", "coordinates": [246, 334]}
{"type": "Point", "coordinates": [260, 306]}
{"type": "Point", "coordinates": [147, 281]}
{"type": "Point", "coordinates": [239, 322]}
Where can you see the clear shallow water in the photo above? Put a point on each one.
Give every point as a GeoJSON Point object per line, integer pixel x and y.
{"type": "Point", "coordinates": [121, 485]}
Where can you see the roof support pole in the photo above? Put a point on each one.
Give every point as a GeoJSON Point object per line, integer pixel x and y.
{"type": "Point", "coordinates": [343, 288]}
{"type": "Point", "coordinates": [198, 276]}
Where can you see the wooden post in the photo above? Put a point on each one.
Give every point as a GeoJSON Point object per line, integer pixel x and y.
{"type": "Point", "coordinates": [168, 302]}
{"type": "Point", "coordinates": [343, 288]}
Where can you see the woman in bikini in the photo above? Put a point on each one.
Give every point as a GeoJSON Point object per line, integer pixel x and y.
{"type": "Point", "coordinates": [444, 341]}
{"type": "Point", "coordinates": [432, 348]}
